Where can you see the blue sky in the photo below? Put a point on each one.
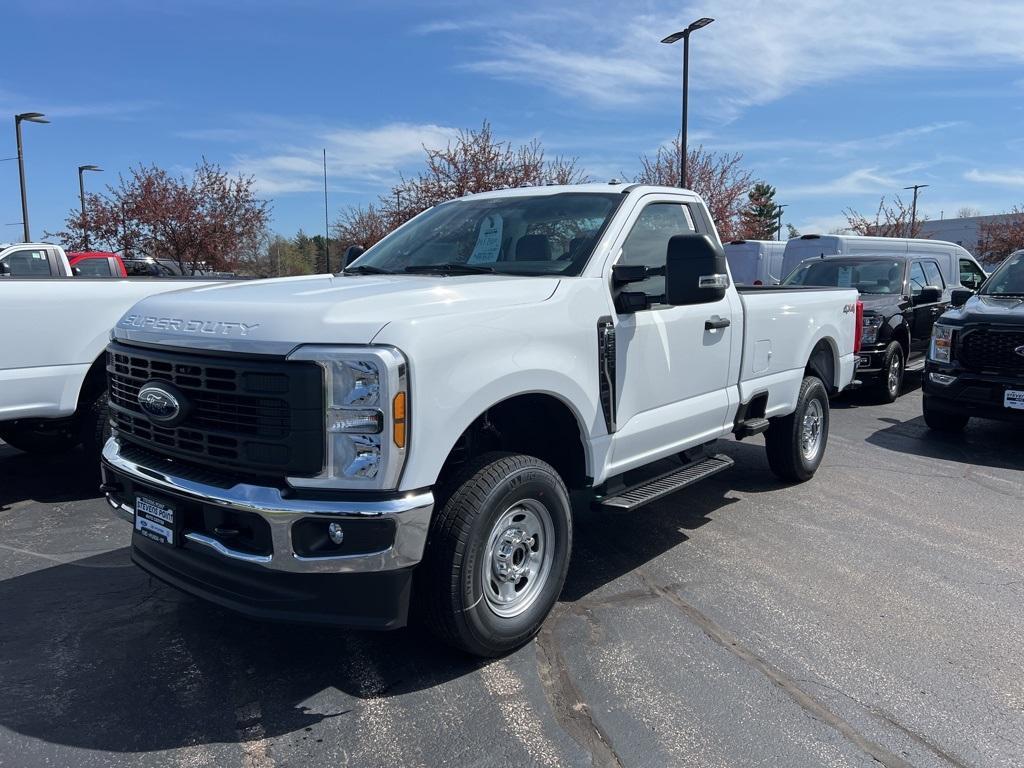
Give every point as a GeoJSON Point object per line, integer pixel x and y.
{"type": "Point", "coordinates": [835, 103]}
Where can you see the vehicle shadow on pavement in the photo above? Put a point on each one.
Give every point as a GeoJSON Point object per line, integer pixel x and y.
{"type": "Point", "coordinates": [96, 652]}
{"type": "Point", "coordinates": [983, 443]}
{"type": "Point", "coordinates": [861, 398]}
{"type": "Point", "coordinates": [46, 479]}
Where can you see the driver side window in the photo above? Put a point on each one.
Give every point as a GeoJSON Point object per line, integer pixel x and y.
{"type": "Point", "coordinates": [647, 242]}
{"type": "Point", "coordinates": [970, 276]}
{"type": "Point", "coordinates": [918, 281]}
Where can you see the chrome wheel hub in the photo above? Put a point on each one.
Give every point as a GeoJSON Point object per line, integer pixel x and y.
{"type": "Point", "coordinates": [810, 429]}
{"type": "Point", "coordinates": [520, 549]}
{"type": "Point", "coordinates": [894, 373]}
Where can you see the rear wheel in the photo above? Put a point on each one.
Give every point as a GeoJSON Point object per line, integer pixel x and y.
{"type": "Point", "coordinates": [796, 443]}
{"type": "Point", "coordinates": [497, 554]}
{"type": "Point", "coordinates": [943, 421]}
{"type": "Point", "coordinates": [890, 381]}
{"type": "Point", "coordinates": [41, 437]}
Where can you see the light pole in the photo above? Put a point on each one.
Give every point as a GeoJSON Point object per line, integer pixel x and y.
{"type": "Point", "coordinates": [81, 196]}
{"type": "Point", "coordinates": [327, 220]}
{"type": "Point", "coordinates": [684, 35]}
{"type": "Point", "coordinates": [913, 207]}
{"type": "Point", "coordinates": [778, 235]}
{"type": "Point", "coordinates": [30, 117]}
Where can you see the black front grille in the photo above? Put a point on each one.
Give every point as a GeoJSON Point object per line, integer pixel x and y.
{"type": "Point", "coordinates": [991, 349]}
{"type": "Point", "coordinates": [258, 416]}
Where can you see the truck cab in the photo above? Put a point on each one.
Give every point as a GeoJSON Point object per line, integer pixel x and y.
{"type": "Point", "coordinates": [34, 260]}
{"type": "Point", "coordinates": [338, 448]}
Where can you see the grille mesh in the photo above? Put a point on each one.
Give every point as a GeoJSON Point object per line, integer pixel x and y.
{"type": "Point", "coordinates": [245, 414]}
{"type": "Point", "coordinates": [989, 349]}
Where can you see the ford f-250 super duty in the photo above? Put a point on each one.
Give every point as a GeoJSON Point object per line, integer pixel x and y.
{"type": "Point", "coordinates": [340, 448]}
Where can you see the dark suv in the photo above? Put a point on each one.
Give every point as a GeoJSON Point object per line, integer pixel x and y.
{"type": "Point", "coordinates": [976, 360]}
{"type": "Point", "coordinates": [903, 295]}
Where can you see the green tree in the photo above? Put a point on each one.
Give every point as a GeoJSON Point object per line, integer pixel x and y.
{"type": "Point", "coordinates": [760, 218]}
{"type": "Point", "coordinates": [792, 232]}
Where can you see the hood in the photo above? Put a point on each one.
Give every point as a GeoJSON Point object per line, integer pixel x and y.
{"type": "Point", "coordinates": [275, 316]}
{"type": "Point", "coordinates": [988, 309]}
{"type": "Point", "coordinates": [881, 303]}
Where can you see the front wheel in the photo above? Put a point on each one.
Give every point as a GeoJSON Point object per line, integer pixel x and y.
{"type": "Point", "coordinates": [796, 443]}
{"type": "Point", "coordinates": [41, 437]}
{"type": "Point", "coordinates": [497, 554]}
{"type": "Point", "coordinates": [890, 380]}
{"type": "Point", "coordinates": [943, 421]}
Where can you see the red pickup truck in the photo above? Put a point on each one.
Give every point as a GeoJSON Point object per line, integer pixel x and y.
{"type": "Point", "coordinates": [96, 264]}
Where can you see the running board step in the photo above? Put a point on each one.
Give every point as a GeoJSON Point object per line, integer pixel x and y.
{"type": "Point", "coordinates": [663, 485]}
{"type": "Point", "coordinates": [914, 367]}
{"type": "Point", "coordinates": [751, 427]}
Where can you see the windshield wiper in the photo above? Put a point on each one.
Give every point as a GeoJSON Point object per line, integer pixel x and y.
{"type": "Point", "coordinates": [366, 269]}
{"type": "Point", "coordinates": [450, 268]}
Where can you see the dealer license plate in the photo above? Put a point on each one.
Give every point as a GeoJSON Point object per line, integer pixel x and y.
{"type": "Point", "coordinates": [1014, 398]}
{"type": "Point", "coordinates": [154, 520]}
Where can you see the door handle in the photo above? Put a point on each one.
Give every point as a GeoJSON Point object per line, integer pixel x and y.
{"type": "Point", "coordinates": [716, 322]}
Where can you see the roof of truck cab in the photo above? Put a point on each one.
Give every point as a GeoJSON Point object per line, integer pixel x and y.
{"type": "Point", "coordinates": [590, 187]}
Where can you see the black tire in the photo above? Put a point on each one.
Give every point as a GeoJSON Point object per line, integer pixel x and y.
{"type": "Point", "coordinates": [784, 438]}
{"type": "Point", "coordinates": [94, 425]}
{"type": "Point", "coordinates": [943, 421]}
{"type": "Point", "coordinates": [889, 384]}
{"type": "Point", "coordinates": [40, 437]}
{"type": "Point", "coordinates": [450, 586]}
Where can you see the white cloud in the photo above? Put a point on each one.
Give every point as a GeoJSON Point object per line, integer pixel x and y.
{"type": "Point", "coordinates": [1009, 177]}
{"type": "Point", "coordinates": [359, 158]}
{"type": "Point", "coordinates": [861, 181]}
{"type": "Point", "coordinates": [756, 51]}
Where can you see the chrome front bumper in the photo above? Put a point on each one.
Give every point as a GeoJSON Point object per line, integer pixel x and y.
{"type": "Point", "coordinates": [410, 513]}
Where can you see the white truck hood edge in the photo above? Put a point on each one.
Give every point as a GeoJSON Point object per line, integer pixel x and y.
{"type": "Point", "coordinates": [276, 316]}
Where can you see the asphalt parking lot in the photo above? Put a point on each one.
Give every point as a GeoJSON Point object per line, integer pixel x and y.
{"type": "Point", "coordinates": [872, 616]}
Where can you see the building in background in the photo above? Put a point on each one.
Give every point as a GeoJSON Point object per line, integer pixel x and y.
{"type": "Point", "coordinates": [965, 231]}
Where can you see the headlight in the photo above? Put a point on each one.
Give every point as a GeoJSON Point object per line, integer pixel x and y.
{"type": "Point", "coordinates": [365, 418]}
{"type": "Point", "coordinates": [941, 349]}
{"type": "Point", "coordinates": [869, 330]}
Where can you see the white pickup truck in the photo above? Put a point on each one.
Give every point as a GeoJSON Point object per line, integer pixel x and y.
{"type": "Point", "coordinates": [338, 448]}
{"type": "Point", "coordinates": [54, 330]}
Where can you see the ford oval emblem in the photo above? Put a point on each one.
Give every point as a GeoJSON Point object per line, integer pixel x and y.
{"type": "Point", "coordinates": [161, 402]}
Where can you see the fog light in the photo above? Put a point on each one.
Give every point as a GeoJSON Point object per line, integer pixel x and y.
{"type": "Point", "coordinates": [336, 534]}
{"type": "Point", "coordinates": [942, 378]}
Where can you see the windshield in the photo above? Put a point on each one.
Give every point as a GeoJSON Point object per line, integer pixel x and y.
{"type": "Point", "coordinates": [536, 235]}
{"type": "Point", "coordinates": [866, 275]}
{"type": "Point", "coordinates": [1008, 280]}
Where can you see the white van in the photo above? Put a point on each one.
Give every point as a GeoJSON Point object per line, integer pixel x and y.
{"type": "Point", "coordinates": [755, 262]}
{"type": "Point", "coordinates": [957, 265]}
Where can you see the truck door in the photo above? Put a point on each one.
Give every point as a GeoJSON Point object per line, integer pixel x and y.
{"type": "Point", "coordinates": [925, 273]}
{"type": "Point", "coordinates": [672, 368]}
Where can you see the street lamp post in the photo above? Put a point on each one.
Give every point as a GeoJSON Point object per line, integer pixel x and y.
{"type": "Point", "coordinates": [81, 196]}
{"type": "Point", "coordinates": [30, 117]}
{"type": "Point", "coordinates": [778, 235]}
{"type": "Point", "coordinates": [913, 206]}
{"type": "Point", "coordinates": [684, 35]}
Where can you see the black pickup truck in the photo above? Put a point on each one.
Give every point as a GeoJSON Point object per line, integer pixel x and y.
{"type": "Point", "coordinates": [975, 361]}
{"type": "Point", "coordinates": [903, 295]}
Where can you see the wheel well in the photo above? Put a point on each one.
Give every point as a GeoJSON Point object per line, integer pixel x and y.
{"type": "Point", "coordinates": [95, 380]}
{"type": "Point", "coordinates": [902, 335]}
{"type": "Point", "coordinates": [822, 363]}
{"type": "Point", "coordinates": [537, 425]}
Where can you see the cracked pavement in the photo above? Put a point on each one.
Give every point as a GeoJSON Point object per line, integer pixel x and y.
{"type": "Point", "coordinates": [872, 616]}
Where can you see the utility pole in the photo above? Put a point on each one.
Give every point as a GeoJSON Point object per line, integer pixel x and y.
{"type": "Point", "coordinates": [684, 35]}
{"type": "Point", "coordinates": [327, 225]}
{"type": "Point", "coordinates": [778, 232]}
{"type": "Point", "coordinates": [81, 196]}
{"type": "Point", "coordinates": [30, 117]}
{"type": "Point", "coordinates": [913, 207]}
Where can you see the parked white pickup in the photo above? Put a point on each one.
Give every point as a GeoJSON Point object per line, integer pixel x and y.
{"type": "Point", "coordinates": [53, 333]}
{"type": "Point", "coordinates": [426, 411]}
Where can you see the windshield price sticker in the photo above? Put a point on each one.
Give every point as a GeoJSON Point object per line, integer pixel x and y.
{"type": "Point", "coordinates": [1014, 398]}
{"type": "Point", "coordinates": [488, 243]}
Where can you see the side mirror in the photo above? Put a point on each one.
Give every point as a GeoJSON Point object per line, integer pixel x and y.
{"type": "Point", "coordinates": [76, 271]}
{"type": "Point", "coordinates": [4, 269]}
{"type": "Point", "coordinates": [930, 294]}
{"type": "Point", "coordinates": [695, 270]}
{"type": "Point", "coordinates": [960, 297]}
{"type": "Point", "coordinates": [352, 253]}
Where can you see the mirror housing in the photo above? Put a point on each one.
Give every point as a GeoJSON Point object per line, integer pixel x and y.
{"type": "Point", "coordinates": [629, 273]}
{"type": "Point", "coordinates": [960, 297]}
{"type": "Point", "coordinates": [695, 270]}
{"type": "Point", "coordinates": [930, 294]}
{"type": "Point", "coordinates": [352, 253]}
